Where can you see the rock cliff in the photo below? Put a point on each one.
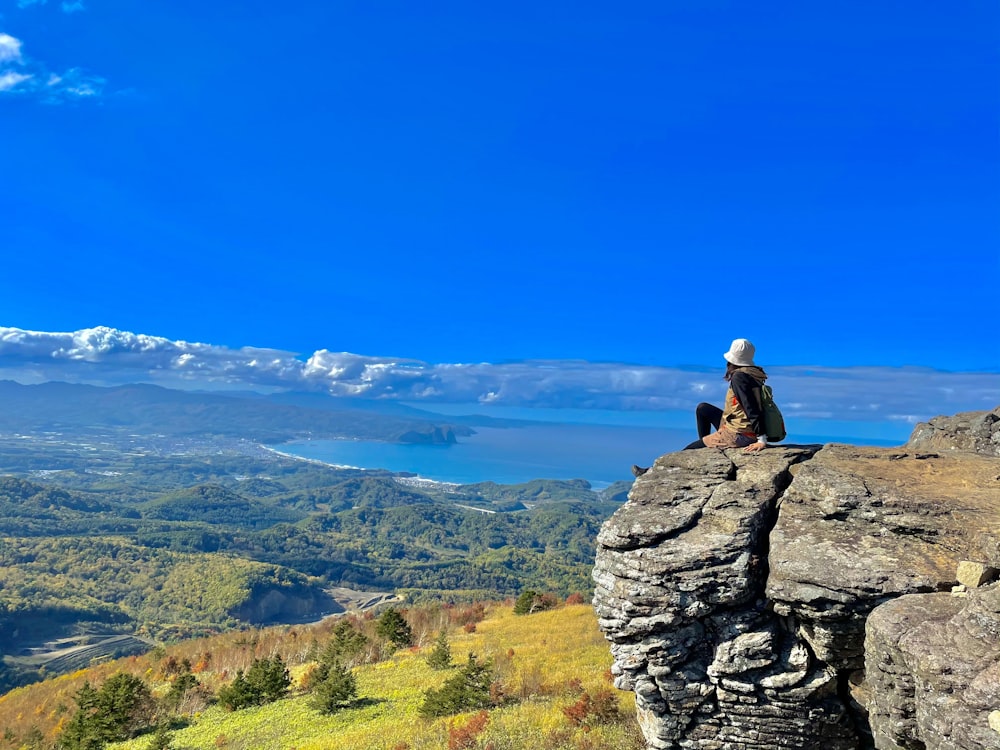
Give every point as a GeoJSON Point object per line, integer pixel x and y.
{"type": "Point", "coordinates": [812, 596]}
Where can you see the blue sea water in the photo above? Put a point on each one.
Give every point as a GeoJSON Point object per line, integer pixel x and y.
{"type": "Point", "coordinates": [599, 453]}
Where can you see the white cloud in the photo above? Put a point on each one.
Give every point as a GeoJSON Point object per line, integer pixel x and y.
{"type": "Point", "coordinates": [10, 79]}
{"type": "Point", "coordinates": [10, 49]}
{"type": "Point", "coordinates": [74, 83]}
{"type": "Point", "coordinates": [21, 75]}
{"type": "Point", "coordinates": [106, 356]}
{"type": "Point", "coordinates": [73, 7]}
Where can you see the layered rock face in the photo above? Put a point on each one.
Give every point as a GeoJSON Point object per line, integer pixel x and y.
{"type": "Point", "coordinates": [976, 431]}
{"type": "Point", "coordinates": [736, 588]}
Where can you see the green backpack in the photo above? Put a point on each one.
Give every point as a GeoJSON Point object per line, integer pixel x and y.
{"type": "Point", "coordinates": [774, 423]}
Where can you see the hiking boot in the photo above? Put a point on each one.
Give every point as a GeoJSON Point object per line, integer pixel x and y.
{"type": "Point", "coordinates": [638, 471]}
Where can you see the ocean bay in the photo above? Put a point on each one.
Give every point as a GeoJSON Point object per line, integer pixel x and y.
{"type": "Point", "coordinates": [599, 453]}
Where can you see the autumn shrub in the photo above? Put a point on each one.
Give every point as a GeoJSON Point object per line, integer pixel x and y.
{"type": "Point", "coordinates": [601, 707]}
{"type": "Point", "coordinates": [468, 615]}
{"type": "Point", "coordinates": [574, 598]}
{"type": "Point", "coordinates": [549, 601]}
{"type": "Point", "coordinates": [465, 736]}
{"type": "Point", "coordinates": [203, 663]}
{"type": "Point", "coordinates": [171, 666]}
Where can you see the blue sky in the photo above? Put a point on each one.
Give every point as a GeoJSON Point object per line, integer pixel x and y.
{"type": "Point", "coordinates": [470, 183]}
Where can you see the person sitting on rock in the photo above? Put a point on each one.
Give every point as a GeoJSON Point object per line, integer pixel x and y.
{"type": "Point", "coordinates": [741, 423]}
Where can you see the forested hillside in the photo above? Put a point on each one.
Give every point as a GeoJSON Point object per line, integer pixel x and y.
{"type": "Point", "coordinates": [100, 543]}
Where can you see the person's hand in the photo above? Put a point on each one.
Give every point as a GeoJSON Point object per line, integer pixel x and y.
{"type": "Point", "coordinates": [754, 447]}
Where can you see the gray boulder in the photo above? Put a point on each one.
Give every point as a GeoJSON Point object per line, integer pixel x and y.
{"type": "Point", "coordinates": [736, 590]}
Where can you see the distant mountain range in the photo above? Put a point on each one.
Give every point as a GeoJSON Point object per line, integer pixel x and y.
{"type": "Point", "coordinates": [85, 410]}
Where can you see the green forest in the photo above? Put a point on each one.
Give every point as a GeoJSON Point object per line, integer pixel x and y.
{"type": "Point", "coordinates": [166, 546]}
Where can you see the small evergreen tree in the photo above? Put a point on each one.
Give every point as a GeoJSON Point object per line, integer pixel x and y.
{"type": "Point", "coordinates": [525, 602]}
{"type": "Point", "coordinates": [440, 656]}
{"type": "Point", "coordinates": [394, 628]}
{"type": "Point", "coordinates": [266, 681]}
{"type": "Point", "coordinates": [346, 642]}
{"type": "Point", "coordinates": [467, 690]}
{"type": "Point", "coordinates": [335, 690]}
{"type": "Point", "coordinates": [179, 688]}
{"type": "Point", "coordinates": [237, 694]}
{"type": "Point", "coordinates": [119, 710]}
{"type": "Point", "coordinates": [531, 601]}
{"type": "Point", "coordinates": [269, 679]}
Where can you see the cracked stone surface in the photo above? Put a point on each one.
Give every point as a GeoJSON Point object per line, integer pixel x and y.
{"type": "Point", "coordinates": [735, 590]}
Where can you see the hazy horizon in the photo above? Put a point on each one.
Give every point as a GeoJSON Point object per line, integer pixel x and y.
{"type": "Point", "coordinates": [857, 403]}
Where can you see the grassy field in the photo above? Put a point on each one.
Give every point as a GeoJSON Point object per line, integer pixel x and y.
{"type": "Point", "coordinates": [547, 662]}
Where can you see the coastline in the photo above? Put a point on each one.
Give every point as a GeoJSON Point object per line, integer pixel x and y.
{"type": "Point", "coordinates": [598, 454]}
{"type": "Point", "coordinates": [320, 462]}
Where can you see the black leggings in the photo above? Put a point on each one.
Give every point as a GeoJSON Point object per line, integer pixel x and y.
{"type": "Point", "coordinates": [707, 416]}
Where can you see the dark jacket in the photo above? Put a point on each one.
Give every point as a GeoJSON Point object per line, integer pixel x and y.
{"type": "Point", "coordinates": [743, 412]}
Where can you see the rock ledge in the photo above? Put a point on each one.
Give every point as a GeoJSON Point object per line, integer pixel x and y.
{"type": "Point", "coordinates": [736, 590]}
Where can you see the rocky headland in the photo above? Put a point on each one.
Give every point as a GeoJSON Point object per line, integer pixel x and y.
{"type": "Point", "coordinates": [812, 596]}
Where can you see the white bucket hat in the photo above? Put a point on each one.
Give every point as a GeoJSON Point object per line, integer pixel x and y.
{"type": "Point", "coordinates": [740, 353]}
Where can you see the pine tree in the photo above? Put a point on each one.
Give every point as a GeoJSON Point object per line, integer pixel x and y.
{"type": "Point", "coordinates": [467, 690]}
{"type": "Point", "coordinates": [121, 708]}
{"type": "Point", "coordinates": [346, 643]}
{"type": "Point", "coordinates": [336, 690]}
{"type": "Point", "coordinates": [394, 628]}
{"type": "Point", "coordinates": [237, 694]}
{"type": "Point", "coordinates": [525, 602]}
{"type": "Point", "coordinates": [179, 688]}
{"type": "Point", "coordinates": [440, 656]}
{"type": "Point", "coordinates": [269, 679]}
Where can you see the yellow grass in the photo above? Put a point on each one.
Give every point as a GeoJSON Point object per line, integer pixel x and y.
{"type": "Point", "coordinates": [545, 661]}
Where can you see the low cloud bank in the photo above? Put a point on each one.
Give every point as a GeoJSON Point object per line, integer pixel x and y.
{"type": "Point", "coordinates": [106, 356]}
